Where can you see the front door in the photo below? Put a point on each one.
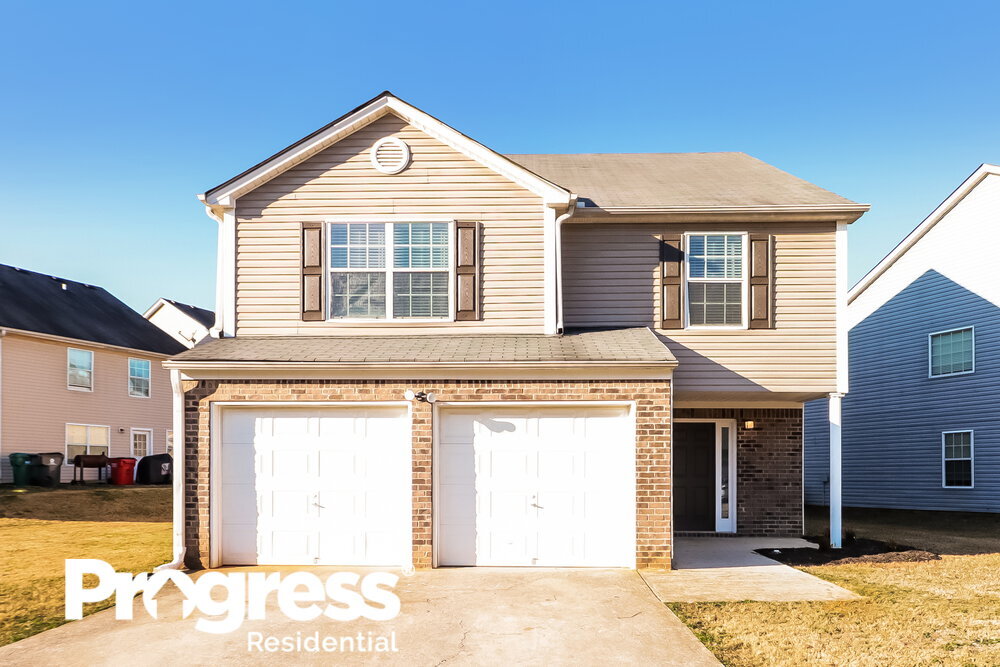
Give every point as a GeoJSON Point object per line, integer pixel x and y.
{"type": "Point", "coordinates": [694, 476]}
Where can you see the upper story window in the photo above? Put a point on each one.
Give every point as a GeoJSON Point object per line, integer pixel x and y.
{"type": "Point", "coordinates": [957, 455]}
{"type": "Point", "coordinates": [390, 270]}
{"type": "Point", "coordinates": [952, 352]}
{"type": "Point", "coordinates": [715, 280]}
{"type": "Point", "coordinates": [80, 369]}
{"type": "Point", "coordinates": [138, 377]}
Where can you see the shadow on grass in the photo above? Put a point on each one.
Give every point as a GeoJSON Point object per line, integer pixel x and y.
{"type": "Point", "coordinates": [944, 533]}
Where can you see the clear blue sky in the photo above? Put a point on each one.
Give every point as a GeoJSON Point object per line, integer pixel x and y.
{"type": "Point", "coordinates": [114, 115]}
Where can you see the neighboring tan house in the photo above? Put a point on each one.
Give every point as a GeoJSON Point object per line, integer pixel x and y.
{"type": "Point", "coordinates": [80, 372]}
{"type": "Point", "coordinates": [921, 421]}
{"type": "Point", "coordinates": [433, 354]}
{"type": "Point", "coordinates": [188, 325]}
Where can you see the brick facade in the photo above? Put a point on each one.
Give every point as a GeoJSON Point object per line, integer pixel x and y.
{"type": "Point", "coordinates": [651, 397]}
{"type": "Point", "coordinates": [768, 468]}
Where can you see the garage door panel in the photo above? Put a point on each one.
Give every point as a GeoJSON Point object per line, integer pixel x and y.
{"type": "Point", "coordinates": [554, 486]}
{"type": "Point", "coordinates": [237, 463]}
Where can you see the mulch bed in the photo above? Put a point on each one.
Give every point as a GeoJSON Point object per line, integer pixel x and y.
{"type": "Point", "coordinates": [854, 551]}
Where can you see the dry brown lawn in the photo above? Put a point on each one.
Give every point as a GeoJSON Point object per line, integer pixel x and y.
{"type": "Point", "coordinates": [127, 527]}
{"type": "Point", "coordinates": [937, 612]}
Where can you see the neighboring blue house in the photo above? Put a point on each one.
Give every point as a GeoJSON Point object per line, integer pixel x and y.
{"type": "Point", "coordinates": [921, 422]}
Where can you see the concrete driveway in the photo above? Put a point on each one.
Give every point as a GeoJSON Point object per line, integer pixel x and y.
{"type": "Point", "coordinates": [466, 616]}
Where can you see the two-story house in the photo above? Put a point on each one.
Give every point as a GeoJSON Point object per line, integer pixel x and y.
{"type": "Point", "coordinates": [80, 373]}
{"type": "Point", "coordinates": [432, 354]}
{"type": "Point", "coordinates": [921, 424]}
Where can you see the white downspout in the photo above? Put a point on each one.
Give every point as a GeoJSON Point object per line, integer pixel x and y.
{"type": "Point", "coordinates": [180, 445]}
{"type": "Point", "coordinates": [559, 277]}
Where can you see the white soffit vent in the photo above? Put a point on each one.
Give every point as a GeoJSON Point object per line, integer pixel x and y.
{"type": "Point", "coordinates": [390, 155]}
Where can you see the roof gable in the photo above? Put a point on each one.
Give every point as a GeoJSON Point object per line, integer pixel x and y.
{"type": "Point", "coordinates": [955, 240]}
{"type": "Point", "coordinates": [225, 194]}
{"type": "Point", "coordinates": [44, 304]}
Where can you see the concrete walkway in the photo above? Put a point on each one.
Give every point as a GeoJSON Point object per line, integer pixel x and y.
{"type": "Point", "coordinates": [721, 569]}
{"type": "Point", "coordinates": [470, 616]}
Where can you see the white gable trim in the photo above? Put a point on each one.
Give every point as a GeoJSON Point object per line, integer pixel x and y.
{"type": "Point", "coordinates": [552, 194]}
{"type": "Point", "coordinates": [921, 230]}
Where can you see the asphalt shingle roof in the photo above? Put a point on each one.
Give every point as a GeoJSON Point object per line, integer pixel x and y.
{"type": "Point", "coordinates": [46, 304]}
{"type": "Point", "coordinates": [625, 345]}
{"type": "Point", "coordinates": [677, 180]}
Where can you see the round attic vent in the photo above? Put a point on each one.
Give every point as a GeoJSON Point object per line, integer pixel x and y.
{"type": "Point", "coordinates": [390, 155]}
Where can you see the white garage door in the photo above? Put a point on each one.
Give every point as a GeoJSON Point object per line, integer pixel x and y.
{"type": "Point", "coordinates": [536, 487]}
{"type": "Point", "coordinates": [315, 486]}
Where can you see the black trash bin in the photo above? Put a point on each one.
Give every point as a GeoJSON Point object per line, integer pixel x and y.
{"type": "Point", "coordinates": [21, 463]}
{"type": "Point", "coordinates": [155, 469]}
{"type": "Point", "coordinates": [47, 469]}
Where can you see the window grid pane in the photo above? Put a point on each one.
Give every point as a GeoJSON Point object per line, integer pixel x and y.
{"type": "Point", "coordinates": [952, 352]}
{"type": "Point", "coordinates": [420, 294]}
{"type": "Point", "coordinates": [715, 304]}
{"type": "Point", "coordinates": [358, 294]}
{"type": "Point", "coordinates": [420, 245]}
{"type": "Point", "coordinates": [717, 256]}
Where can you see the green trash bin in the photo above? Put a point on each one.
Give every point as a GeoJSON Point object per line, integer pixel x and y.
{"type": "Point", "coordinates": [21, 463]}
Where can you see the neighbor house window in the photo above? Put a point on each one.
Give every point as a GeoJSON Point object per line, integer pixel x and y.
{"type": "Point", "coordinates": [138, 377]}
{"type": "Point", "coordinates": [86, 439]}
{"type": "Point", "coordinates": [170, 443]}
{"type": "Point", "coordinates": [715, 279]}
{"type": "Point", "coordinates": [957, 454]}
{"type": "Point", "coordinates": [952, 352]}
{"type": "Point", "coordinates": [390, 271]}
{"type": "Point", "coordinates": [80, 369]}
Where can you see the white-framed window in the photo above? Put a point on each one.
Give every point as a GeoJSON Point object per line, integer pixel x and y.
{"type": "Point", "coordinates": [390, 270]}
{"type": "Point", "coordinates": [169, 448]}
{"type": "Point", "coordinates": [86, 439]}
{"type": "Point", "coordinates": [716, 280]}
{"type": "Point", "coordinates": [138, 377]}
{"type": "Point", "coordinates": [79, 369]}
{"type": "Point", "coordinates": [951, 352]}
{"type": "Point", "coordinates": [957, 460]}
{"type": "Point", "coordinates": [142, 442]}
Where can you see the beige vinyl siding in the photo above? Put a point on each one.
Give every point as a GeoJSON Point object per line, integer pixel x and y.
{"type": "Point", "coordinates": [37, 405]}
{"type": "Point", "coordinates": [611, 278]}
{"type": "Point", "coordinates": [341, 181]}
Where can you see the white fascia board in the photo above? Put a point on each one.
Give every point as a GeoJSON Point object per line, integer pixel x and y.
{"type": "Point", "coordinates": [847, 210]}
{"type": "Point", "coordinates": [551, 194]}
{"type": "Point", "coordinates": [437, 371]}
{"type": "Point", "coordinates": [967, 186]}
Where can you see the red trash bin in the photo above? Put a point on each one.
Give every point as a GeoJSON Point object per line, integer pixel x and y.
{"type": "Point", "coordinates": [122, 471]}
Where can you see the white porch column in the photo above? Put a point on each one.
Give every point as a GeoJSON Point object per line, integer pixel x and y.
{"type": "Point", "coordinates": [836, 521]}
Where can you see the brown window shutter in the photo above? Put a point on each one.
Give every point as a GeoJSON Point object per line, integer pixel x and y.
{"type": "Point", "coordinates": [761, 281]}
{"type": "Point", "coordinates": [671, 276]}
{"type": "Point", "coordinates": [311, 297]}
{"type": "Point", "coordinates": [467, 242]}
